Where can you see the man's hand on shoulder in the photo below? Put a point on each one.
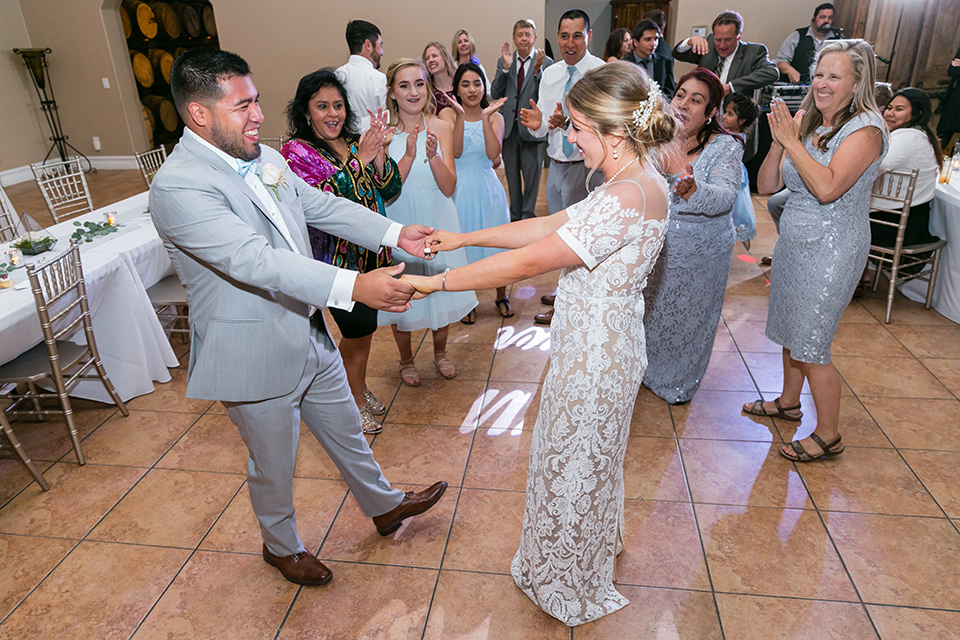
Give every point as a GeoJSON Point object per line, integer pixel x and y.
{"type": "Point", "coordinates": [381, 289]}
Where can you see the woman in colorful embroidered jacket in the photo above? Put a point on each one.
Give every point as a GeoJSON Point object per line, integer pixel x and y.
{"type": "Point", "coordinates": [325, 150]}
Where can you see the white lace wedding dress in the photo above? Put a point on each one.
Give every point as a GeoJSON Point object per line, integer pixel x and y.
{"type": "Point", "coordinates": [574, 502]}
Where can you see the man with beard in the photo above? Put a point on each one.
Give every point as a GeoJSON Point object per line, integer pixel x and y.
{"type": "Point", "coordinates": [366, 86]}
{"type": "Point", "coordinates": [801, 47]}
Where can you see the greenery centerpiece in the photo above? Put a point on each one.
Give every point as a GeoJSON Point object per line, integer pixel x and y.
{"type": "Point", "coordinates": [88, 231]}
{"type": "Point", "coordinates": [32, 243]}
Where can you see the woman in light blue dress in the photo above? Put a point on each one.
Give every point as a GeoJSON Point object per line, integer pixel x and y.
{"type": "Point", "coordinates": [423, 150]}
{"type": "Point", "coordinates": [739, 114]}
{"type": "Point", "coordinates": [833, 155]}
{"type": "Point", "coordinates": [686, 289]}
{"type": "Point", "coordinates": [480, 198]}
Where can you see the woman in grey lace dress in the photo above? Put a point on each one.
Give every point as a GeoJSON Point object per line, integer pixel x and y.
{"type": "Point", "coordinates": [685, 293]}
{"type": "Point", "coordinates": [828, 156]}
{"type": "Point", "coordinates": [605, 246]}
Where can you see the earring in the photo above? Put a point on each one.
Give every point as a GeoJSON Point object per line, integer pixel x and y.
{"type": "Point", "coordinates": [852, 108]}
{"type": "Point", "coordinates": [709, 120]}
{"type": "Point", "coordinates": [615, 154]}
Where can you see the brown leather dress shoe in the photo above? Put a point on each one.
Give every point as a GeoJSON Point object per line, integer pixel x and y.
{"type": "Point", "coordinates": [300, 568]}
{"type": "Point", "coordinates": [766, 260]}
{"type": "Point", "coordinates": [548, 300]}
{"type": "Point", "coordinates": [544, 318]}
{"type": "Point", "coordinates": [413, 505]}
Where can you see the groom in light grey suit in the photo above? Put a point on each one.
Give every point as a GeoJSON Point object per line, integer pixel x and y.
{"type": "Point", "coordinates": [234, 223]}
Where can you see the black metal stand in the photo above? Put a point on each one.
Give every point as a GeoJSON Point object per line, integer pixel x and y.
{"type": "Point", "coordinates": [35, 60]}
{"type": "Point", "coordinates": [893, 47]}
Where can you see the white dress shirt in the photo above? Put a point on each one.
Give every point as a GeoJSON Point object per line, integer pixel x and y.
{"type": "Point", "coordinates": [553, 79]}
{"type": "Point", "coordinates": [341, 291]}
{"type": "Point", "coordinates": [366, 88]}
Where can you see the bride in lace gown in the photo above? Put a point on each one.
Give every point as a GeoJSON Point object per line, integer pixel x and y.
{"type": "Point", "coordinates": [605, 245]}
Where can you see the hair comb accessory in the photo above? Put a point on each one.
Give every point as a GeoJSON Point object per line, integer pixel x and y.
{"type": "Point", "coordinates": [642, 115]}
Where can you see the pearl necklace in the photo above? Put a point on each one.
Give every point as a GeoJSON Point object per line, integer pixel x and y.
{"type": "Point", "coordinates": [621, 170]}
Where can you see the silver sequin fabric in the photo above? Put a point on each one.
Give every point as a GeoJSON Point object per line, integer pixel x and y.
{"type": "Point", "coordinates": [685, 293]}
{"type": "Point", "coordinates": [820, 254]}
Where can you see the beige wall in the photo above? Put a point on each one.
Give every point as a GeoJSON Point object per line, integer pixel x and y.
{"type": "Point", "coordinates": [20, 134]}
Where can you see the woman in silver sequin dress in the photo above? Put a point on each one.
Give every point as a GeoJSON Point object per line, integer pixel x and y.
{"type": "Point", "coordinates": [685, 294]}
{"type": "Point", "coordinates": [828, 156]}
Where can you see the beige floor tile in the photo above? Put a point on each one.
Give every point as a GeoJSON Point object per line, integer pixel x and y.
{"type": "Point", "coordinates": [938, 471]}
{"type": "Point", "coordinates": [867, 481]}
{"type": "Point", "coordinates": [499, 461]}
{"type": "Point", "coordinates": [517, 360]}
{"type": "Point", "coordinates": [482, 332]}
{"type": "Point", "coordinates": [750, 337]}
{"type": "Point", "coordinates": [652, 470]}
{"type": "Point", "coordinates": [505, 407]}
{"type": "Point", "coordinates": [169, 396]}
{"type": "Point", "coordinates": [657, 613]}
{"type": "Point", "coordinates": [756, 286]}
{"type": "Point", "coordinates": [917, 424]}
{"type": "Point", "coordinates": [723, 341]}
{"type": "Point", "coordinates": [905, 312]}
{"type": "Point", "coordinates": [14, 477]}
{"type": "Point", "coordinates": [312, 459]}
{"type": "Point", "coordinates": [749, 548]}
{"type": "Point", "coordinates": [757, 618]}
{"type": "Point", "coordinates": [899, 560]}
{"type": "Point", "coordinates": [651, 416]}
{"type": "Point", "coordinates": [78, 498]}
{"type": "Point", "coordinates": [889, 378]}
{"type": "Point", "coordinates": [100, 590]}
{"type": "Point", "coordinates": [316, 501]}
{"type": "Point", "coordinates": [477, 606]}
{"type": "Point", "coordinates": [49, 440]}
{"type": "Point", "coordinates": [718, 415]}
{"type": "Point", "coordinates": [947, 372]}
{"type": "Point", "coordinates": [897, 623]}
{"type": "Point", "coordinates": [741, 307]}
{"type": "Point", "coordinates": [874, 340]}
{"type": "Point", "coordinates": [394, 604]}
{"type": "Point", "coordinates": [436, 402]}
{"type": "Point", "coordinates": [726, 372]}
{"type": "Point", "coordinates": [137, 440]}
{"type": "Point", "coordinates": [857, 427]}
{"type": "Point", "coordinates": [28, 560]}
{"type": "Point", "coordinates": [471, 360]}
{"type": "Point", "coordinates": [169, 508]}
{"type": "Point", "coordinates": [440, 454]}
{"type": "Point", "coordinates": [929, 342]}
{"type": "Point", "coordinates": [767, 371]}
{"type": "Point", "coordinates": [486, 531]}
{"type": "Point", "coordinates": [856, 313]}
{"type": "Point", "coordinates": [211, 597]}
{"type": "Point", "coordinates": [661, 547]}
{"type": "Point", "coordinates": [419, 542]}
{"type": "Point", "coordinates": [741, 473]}
{"type": "Point", "coordinates": [212, 444]}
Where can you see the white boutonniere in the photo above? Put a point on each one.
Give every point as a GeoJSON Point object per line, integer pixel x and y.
{"type": "Point", "coordinates": [272, 177]}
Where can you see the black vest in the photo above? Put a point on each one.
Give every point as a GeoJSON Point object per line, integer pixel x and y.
{"type": "Point", "coordinates": [805, 54]}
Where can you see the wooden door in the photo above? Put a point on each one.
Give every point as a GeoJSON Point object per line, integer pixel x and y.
{"type": "Point", "coordinates": [626, 13]}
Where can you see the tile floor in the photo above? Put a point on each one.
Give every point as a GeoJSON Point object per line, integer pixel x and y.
{"type": "Point", "coordinates": [155, 538]}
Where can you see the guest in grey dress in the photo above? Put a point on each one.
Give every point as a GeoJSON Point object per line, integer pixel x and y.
{"type": "Point", "coordinates": [833, 151]}
{"type": "Point", "coordinates": [685, 292]}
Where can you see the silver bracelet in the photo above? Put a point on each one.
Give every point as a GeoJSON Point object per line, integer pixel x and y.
{"type": "Point", "coordinates": [443, 279]}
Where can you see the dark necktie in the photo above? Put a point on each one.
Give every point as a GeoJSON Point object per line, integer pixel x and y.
{"type": "Point", "coordinates": [520, 75]}
{"type": "Point", "coordinates": [720, 66]}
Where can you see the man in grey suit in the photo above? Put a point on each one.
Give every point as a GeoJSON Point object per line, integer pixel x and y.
{"type": "Point", "coordinates": [258, 341]}
{"type": "Point", "coordinates": [518, 79]}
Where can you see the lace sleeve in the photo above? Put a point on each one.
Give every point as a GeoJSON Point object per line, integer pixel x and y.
{"type": "Point", "coordinates": [717, 173]}
{"type": "Point", "coordinates": [607, 220]}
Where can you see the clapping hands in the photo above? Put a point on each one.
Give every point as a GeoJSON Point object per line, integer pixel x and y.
{"type": "Point", "coordinates": [784, 127]}
{"type": "Point", "coordinates": [371, 141]}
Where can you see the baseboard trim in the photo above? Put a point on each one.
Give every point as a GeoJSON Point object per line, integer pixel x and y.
{"type": "Point", "coordinates": [105, 163]}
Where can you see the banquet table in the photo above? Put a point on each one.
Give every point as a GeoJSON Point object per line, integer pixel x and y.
{"type": "Point", "coordinates": [118, 268]}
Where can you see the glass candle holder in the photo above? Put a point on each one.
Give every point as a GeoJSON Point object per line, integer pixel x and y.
{"type": "Point", "coordinates": [16, 257]}
{"type": "Point", "coordinates": [110, 217]}
{"type": "Point", "coordinates": [945, 171]}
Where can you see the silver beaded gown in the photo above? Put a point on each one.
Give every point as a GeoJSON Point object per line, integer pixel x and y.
{"type": "Point", "coordinates": [573, 512]}
{"type": "Point", "coordinates": [820, 254]}
{"type": "Point", "coordinates": [686, 289]}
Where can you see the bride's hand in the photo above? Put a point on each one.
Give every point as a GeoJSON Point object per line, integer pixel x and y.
{"type": "Point", "coordinates": [443, 241]}
{"type": "Point", "coordinates": [423, 285]}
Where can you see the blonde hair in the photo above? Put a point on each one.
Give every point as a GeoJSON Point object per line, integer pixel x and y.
{"type": "Point", "coordinates": [864, 65]}
{"type": "Point", "coordinates": [447, 59]}
{"type": "Point", "coordinates": [608, 96]}
{"type": "Point", "coordinates": [398, 65]}
{"type": "Point", "coordinates": [455, 46]}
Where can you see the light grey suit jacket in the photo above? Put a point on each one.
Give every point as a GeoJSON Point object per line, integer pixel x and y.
{"type": "Point", "coordinates": [505, 84]}
{"type": "Point", "coordinates": [249, 294]}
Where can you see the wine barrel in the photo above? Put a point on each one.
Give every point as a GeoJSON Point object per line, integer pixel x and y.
{"type": "Point", "coordinates": [179, 52]}
{"type": "Point", "coordinates": [189, 20]}
{"type": "Point", "coordinates": [125, 21]}
{"type": "Point", "coordinates": [209, 22]}
{"type": "Point", "coordinates": [148, 121]}
{"type": "Point", "coordinates": [164, 112]}
{"type": "Point", "coordinates": [161, 61]}
{"type": "Point", "coordinates": [142, 69]}
{"type": "Point", "coordinates": [167, 18]}
{"type": "Point", "coordinates": [141, 17]}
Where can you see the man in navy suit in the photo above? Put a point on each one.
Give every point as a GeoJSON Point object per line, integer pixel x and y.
{"type": "Point", "coordinates": [522, 152]}
{"type": "Point", "coordinates": [646, 37]}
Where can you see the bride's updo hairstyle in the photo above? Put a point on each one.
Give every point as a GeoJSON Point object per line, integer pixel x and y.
{"type": "Point", "coordinates": [614, 98]}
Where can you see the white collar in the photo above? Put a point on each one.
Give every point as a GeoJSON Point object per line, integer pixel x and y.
{"type": "Point", "coordinates": [356, 58]}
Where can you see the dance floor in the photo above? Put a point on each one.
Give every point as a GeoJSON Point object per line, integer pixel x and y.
{"type": "Point", "coordinates": [155, 537]}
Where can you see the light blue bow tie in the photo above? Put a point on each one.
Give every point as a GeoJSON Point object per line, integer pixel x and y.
{"type": "Point", "coordinates": [246, 167]}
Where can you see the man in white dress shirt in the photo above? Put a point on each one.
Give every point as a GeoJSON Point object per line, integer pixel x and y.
{"type": "Point", "coordinates": [567, 176]}
{"type": "Point", "coordinates": [366, 87]}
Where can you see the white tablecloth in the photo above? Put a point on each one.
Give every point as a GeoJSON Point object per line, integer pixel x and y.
{"type": "Point", "coordinates": [117, 270]}
{"type": "Point", "coordinates": [945, 224]}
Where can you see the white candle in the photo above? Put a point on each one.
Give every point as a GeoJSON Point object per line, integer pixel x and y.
{"type": "Point", "coordinates": [16, 257]}
{"type": "Point", "coordinates": [111, 218]}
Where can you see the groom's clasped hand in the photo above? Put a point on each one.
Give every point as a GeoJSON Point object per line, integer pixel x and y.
{"type": "Point", "coordinates": [436, 242]}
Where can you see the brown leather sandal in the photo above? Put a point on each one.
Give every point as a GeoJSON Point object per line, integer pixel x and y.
{"type": "Point", "coordinates": [757, 409]}
{"type": "Point", "coordinates": [802, 455]}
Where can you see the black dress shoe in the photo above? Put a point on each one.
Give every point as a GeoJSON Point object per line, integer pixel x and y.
{"type": "Point", "coordinates": [413, 505]}
{"type": "Point", "coordinates": [549, 299]}
{"type": "Point", "coordinates": [766, 260]}
{"type": "Point", "coordinates": [544, 318]}
{"type": "Point", "coordinates": [300, 568]}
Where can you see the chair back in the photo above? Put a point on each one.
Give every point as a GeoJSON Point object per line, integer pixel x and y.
{"type": "Point", "coordinates": [64, 188]}
{"type": "Point", "coordinates": [8, 218]}
{"type": "Point", "coordinates": [892, 192]}
{"type": "Point", "coordinates": [61, 298]}
{"type": "Point", "coordinates": [275, 143]}
{"type": "Point", "coordinates": [150, 161]}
